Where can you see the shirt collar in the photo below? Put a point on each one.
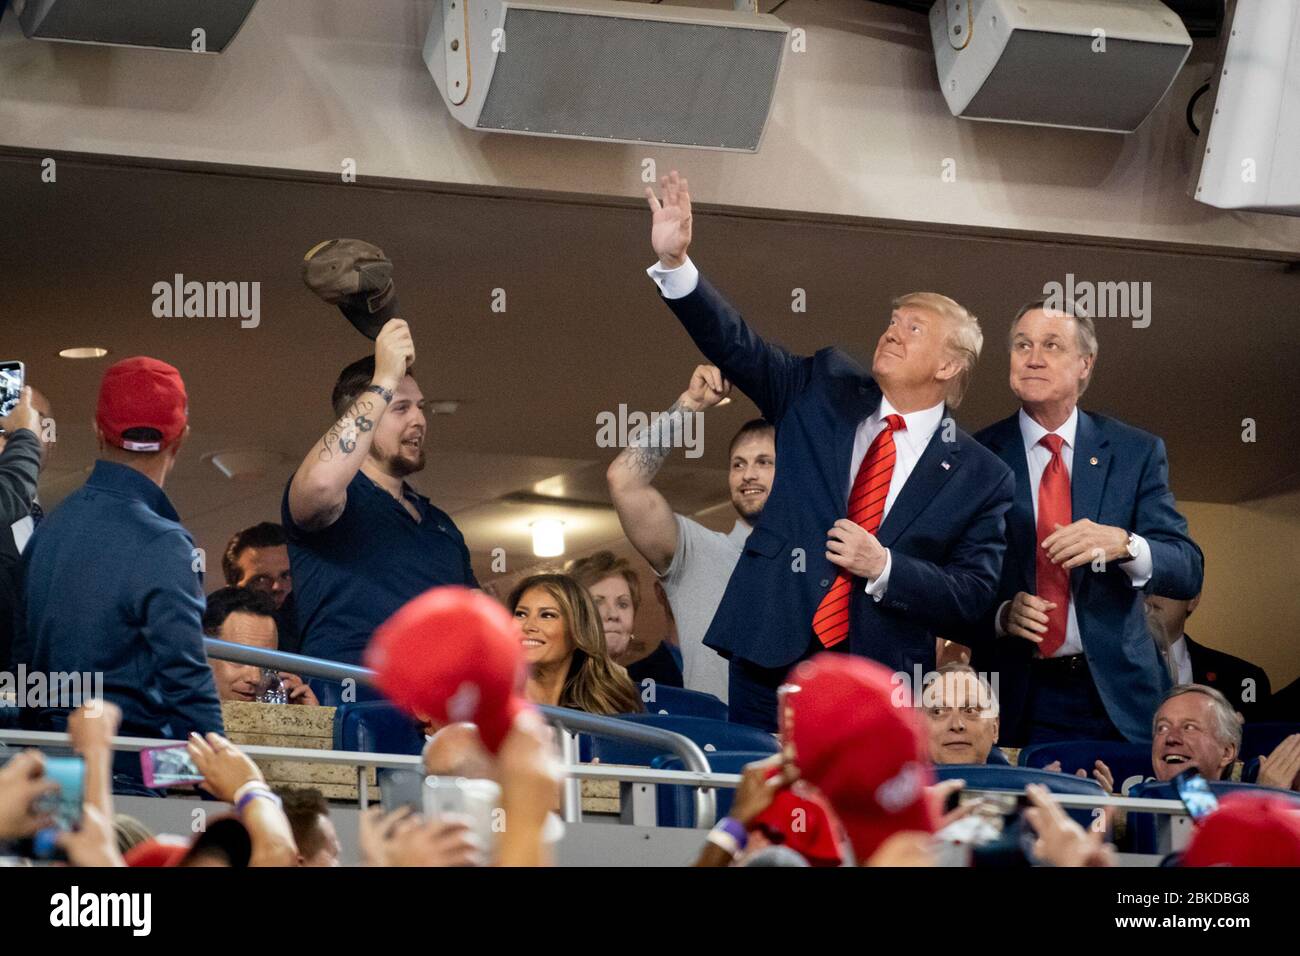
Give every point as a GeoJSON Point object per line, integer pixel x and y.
{"type": "Point", "coordinates": [1178, 652]}
{"type": "Point", "coordinates": [129, 483]}
{"type": "Point", "coordinates": [1033, 433]}
{"type": "Point", "coordinates": [920, 425]}
{"type": "Point", "coordinates": [740, 532]}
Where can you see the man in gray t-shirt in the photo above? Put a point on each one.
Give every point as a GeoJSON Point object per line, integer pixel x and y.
{"type": "Point", "coordinates": [694, 563]}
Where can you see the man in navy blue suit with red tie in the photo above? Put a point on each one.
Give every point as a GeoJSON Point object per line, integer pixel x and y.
{"type": "Point", "coordinates": [1093, 531]}
{"type": "Point", "coordinates": [884, 526]}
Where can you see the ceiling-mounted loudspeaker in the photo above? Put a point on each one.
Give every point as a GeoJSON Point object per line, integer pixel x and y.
{"type": "Point", "coordinates": [1249, 151]}
{"type": "Point", "coordinates": [157, 24]}
{"type": "Point", "coordinates": [607, 70]}
{"type": "Point", "coordinates": [1080, 64]}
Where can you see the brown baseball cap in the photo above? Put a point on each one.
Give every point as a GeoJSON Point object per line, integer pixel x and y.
{"type": "Point", "coordinates": [356, 276]}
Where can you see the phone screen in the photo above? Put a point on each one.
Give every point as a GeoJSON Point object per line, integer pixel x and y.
{"type": "Point", "coordinates": [11, 387]}
{"type": "Point", "coordinates": [169, 767]}
{"type": "Point", "coordinates": [1194, 790]}
{"type": "Point", "coordinates": [65, 804]}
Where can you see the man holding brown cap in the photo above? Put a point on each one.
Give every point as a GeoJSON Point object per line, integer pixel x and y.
{"type": "Point", "coordinates": [111, 584]}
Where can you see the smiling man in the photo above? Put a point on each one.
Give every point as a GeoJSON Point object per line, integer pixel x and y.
{"type": "Point", "coordinates": [885, 525]}
{"type": "Point", "coordinates": [693, 562]}
{"type": "Point", "coordinates": [1194, 727]}
{"type": "Point", "coordinates": [362, 542]}
{"type": "Point", "coordinates": [1094, 529]}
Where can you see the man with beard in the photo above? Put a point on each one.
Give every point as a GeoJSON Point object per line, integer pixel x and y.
{"type": "Point", "coordinates": [694, 563]}
{"type": "Point", "coordinates": [362, 542]}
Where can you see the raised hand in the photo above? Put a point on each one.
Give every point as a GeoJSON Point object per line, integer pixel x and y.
{"type": "Point", "coordinates": [670, 233]}
{"type": "Point", "coordinates": [707, 388]}
{"type": "Point", "coordinates": [394, 353]}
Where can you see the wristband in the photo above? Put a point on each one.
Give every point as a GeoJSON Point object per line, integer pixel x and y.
{"type": "Point", "coordinates": [247, 786]}
{"type": "Point", "coordinates": [253, 795]}
{"type": "Point", "coordinates": [729, 835]}
{"type": "Point", "coordinates": [385, 393]}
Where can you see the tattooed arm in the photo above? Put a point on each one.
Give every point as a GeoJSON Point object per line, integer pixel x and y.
{"type": "Point", "coordinates": [645, 514]}
{"type": "Point", "coordinates": [319, 490]}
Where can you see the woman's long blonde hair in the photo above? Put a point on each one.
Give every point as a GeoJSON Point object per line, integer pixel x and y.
{"type": "Point", "coordinates": [595, 683]}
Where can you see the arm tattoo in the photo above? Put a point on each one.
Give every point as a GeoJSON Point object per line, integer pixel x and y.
{"type": "Point", "coordinates": [343, 433]}
{"type": "Point", "coordinates": [648, 449]}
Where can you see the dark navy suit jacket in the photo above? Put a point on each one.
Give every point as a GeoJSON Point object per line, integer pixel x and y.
{"type": "Point", "coordinates": [1127, 486]}
{"type": "Point", "coordinates": [944, 530]}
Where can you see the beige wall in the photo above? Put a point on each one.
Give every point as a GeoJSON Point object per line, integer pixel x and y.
{"type": "Point", "coordinates": [1251, 602]}
{"type": "Point", "coordinates": [859, 127]}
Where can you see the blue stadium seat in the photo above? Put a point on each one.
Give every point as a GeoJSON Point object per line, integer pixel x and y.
{"type": "Point", "coordinates": [676, 805]}
{"type": "Point", "coordinates": [1015, 779]}
{"type": "Point", "coordinates": [1129, 763]}
{"type": "Point", "coordinates": [686, 703]}
{"type": "Point", "coordinates": [1260, 739]}
{"type": "Point", "coordinates": [376, 727]}
{"type": "Point", "coordinates": [1142, 826]}
{"type": "Point", "coordinates": [709, 735]}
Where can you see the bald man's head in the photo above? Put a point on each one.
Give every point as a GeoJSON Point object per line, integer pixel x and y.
{"type": "Point", "coordinates": [457, 751]}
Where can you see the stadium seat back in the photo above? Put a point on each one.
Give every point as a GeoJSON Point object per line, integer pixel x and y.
{"type": "Point", "coordinates": [1015, 779]}
{"type": "Point", "coordinates": [676, 805]}
{"type": "Point", "coordinates": [1142, 826]}
{"type": "Point", "coordinates": [709, 735]}
{"type": "Point", "coordinates": [376, 727]}
{"type": "Point", "coordinates": [1130, 764]}
{"type": "Point", "coordinates": [685, 703]}
{"type": "Point", "coordinates": [1260, 739]}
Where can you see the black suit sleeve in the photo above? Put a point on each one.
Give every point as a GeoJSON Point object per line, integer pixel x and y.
{"type": "Point", "coordinates": [20, 466]}
{"type": "Point", "coordinates": [767, 373]}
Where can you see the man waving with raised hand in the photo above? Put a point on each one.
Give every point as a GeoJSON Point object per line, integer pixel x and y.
{"type": "Point", "coordinates": [885, 524]}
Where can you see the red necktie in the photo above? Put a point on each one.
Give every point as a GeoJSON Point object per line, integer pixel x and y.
{"type": "Point", "coordinates": [1052, 580]}
{"type": "Point", "coordinates": [866, 506]}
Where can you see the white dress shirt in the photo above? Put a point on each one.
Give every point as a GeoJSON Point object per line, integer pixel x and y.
{"type": "Point", "coordinates": [1181, 659]}
{"type": "Point", "coordinates": [1037, 456]}
{"type": "Point", "coordinates": [909, 444]}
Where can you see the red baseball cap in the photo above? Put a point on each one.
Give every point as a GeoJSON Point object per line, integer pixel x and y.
{"type": "Point", "coordinates": [452, 654]}
{"type": "Point", "coordinates": [804, 822]}
{"type": "Point", "coordinates": [866, 755]}
{"type": "Point", "coordinates": [225, 834]}
{"type": "Point", "coordinates": [1247, 830]}
{"type": "Point", "coordinates": [142, 392]}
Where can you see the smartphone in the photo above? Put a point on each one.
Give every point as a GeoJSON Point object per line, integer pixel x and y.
{"type": "Point", "coordinates": [1194, 790]}
{"type": "Point", "coordinates": [63, 804]}
{"type": "Point", "coordinates": [12, 376]}
{"type": "Point", "coordinates": [169, 767]}
{"type": "Point", "coordinates": [401, 788]}
{"type": "Point", "coordinates": [477, 800]}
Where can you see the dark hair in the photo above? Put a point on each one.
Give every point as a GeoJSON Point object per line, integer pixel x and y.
{"type": "Point", "coordinates": [227, 601]}
{"type": "Point", "coordinates": [752, 427]}
{"type": "Point", "coordinates": [304, 808]}
{"type": "Point", "coordinates": [264, 535]}
{"type": "Point", "coordinates": [352, 381]}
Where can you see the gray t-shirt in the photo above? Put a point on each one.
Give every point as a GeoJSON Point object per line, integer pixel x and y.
{"type": "Point", "coordinates": [695, 582]}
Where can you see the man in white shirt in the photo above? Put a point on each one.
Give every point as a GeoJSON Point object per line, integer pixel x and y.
{"type": "Point", "coordinates": [694, 563]}
{"type": "Point", "coordinates": [885, 525]}
{"type": "Point", "coordinates": [1094, 529]}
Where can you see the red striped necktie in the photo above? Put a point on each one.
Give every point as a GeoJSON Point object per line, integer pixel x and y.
{"type": "Point", "coordinates": [1052, 581]}
{"type": "Point", "coordinates": [866, 507]}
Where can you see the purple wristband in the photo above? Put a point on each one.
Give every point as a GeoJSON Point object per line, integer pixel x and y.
{"type": "Point", "coordinates": [735, 829]}
{"type": "Point", "coordinates": [253, 795]}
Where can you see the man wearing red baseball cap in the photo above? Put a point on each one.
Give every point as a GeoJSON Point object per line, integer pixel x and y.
{"type": "Point", "coordinates": [112, 581]}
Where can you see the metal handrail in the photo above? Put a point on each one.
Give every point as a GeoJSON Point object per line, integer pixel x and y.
{"type": "Point", "coordinates": [566, 720]}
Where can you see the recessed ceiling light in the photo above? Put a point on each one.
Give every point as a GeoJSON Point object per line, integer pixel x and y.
{"type": "Point", "coordinates": [441, 406]}
{"type": "Point", "coordinates": [247, 464]}
{"type": "Point", "coordinates": [548, 537]}
{"type": "Point", "coordinates": [84, 352]}
{"type": "Point", "coordinates": [725, 401]}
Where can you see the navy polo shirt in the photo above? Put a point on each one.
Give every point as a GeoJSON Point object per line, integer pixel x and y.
{"type": "Point", "coordinates": [112, 588]}
{"type": "Point", "coordinates": [350, 577]}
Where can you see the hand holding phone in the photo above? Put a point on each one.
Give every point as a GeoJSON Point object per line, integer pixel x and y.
{"type": "Point", "coordinates": [12, 376]}
{"type": "Point", "coordinates": [169, 767]}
